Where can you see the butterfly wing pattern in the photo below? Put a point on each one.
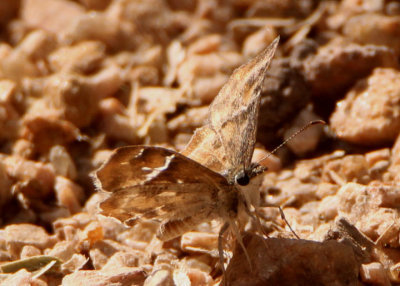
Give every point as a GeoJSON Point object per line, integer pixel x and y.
{"type": "Point", "coordinates": [157, 183]}
{"type": "Point", "coordinates": [183, 190]}
{"type": "Point", "coordinates": [226, 143]}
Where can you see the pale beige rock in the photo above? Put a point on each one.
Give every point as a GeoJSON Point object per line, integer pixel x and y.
{"type": "Point", "coordinates": [327, 208]}
{"type": "Point", "coordinates": [155, 99]}
{"type": "Point", "coordinates": [337, 65]}
{"type": "Point", "coordinates": [43, 130]}
{"type": "Point", "coordinates": [62, 250]}
{"type": "Point", "coordinates": [102, 250]}
{"type": "Point", "coordinates": [75, 263]}
{"type": "Point", "coordinates": [190, 120]}
{"type": "Point", "coordinates": [160, 278]}
{"type": "Point", "coordinates": [9, 117]}
{"type": "Point", "coordinates": [144, 75]}
{"type": "Point", "coordinates": [29, 251]}
{"type": "Point", "coordinates": [45, 14]}
{"type": "Point", "coordinates": [370, 113]}
{"type": "Point", "coordinates": [84, 57]}
{"type": "Point", "coordinates": [72, 223]}
{"type": "Point", "coordinates": [72, 97]}
{"type": "Point", "coordinates": [123, 276]}
{"type": "Point", "coordinates": [199, 242]}
{"type": "Point", "coordinates": [311, 170]}
{"type": "Point", "coordinates": [181, 277]}
{"type": "Point", "coordinates": [372, 209]}
{"type": "Point", "coordinates": [292, 191]}
{"type": "Point", "coordinates": [258, 41]}
{"type": "Point", "coordinates": [39, 174]}
{"type": "Point", "coordinates": [204, 75]}
{"type": "Point", "coordinates": [68, 194]}
{"type": "Point", "coordinates": [20, 278]}
{"type": "Point", "coordinates": [199, 278]}
{"type": "Point", "coordinates": [307, 140]}
{"type": "Point", "coordinates": [28, 58]}
{"type": "Point", "coordinates": [62, 162]}
{"type": "Point", "coordinates": [98, 258]}
{"type": "Point", "coordinates": [112, 229]}
{"type": "Point", "coordinates": [37, 45]}
{"type": "Point", "coordinates": [124, 259]}
{"type": "Point", "coordinates": [326, 189]}
{"type": "Point", "coordinates": [121, 25]}
{"type": "Point", "coordinates": [7, 89]}
{"type": "Point", "coordinates": [23, 148]}
{"type": "Point", "coordinates": [351, 168]}
{"type": "Point", "coordinates": [115, 122]}
{"type": "Point", "coordinates": [19, 235]}
{"type": "Point", "coordinates": [199, 262]}
{"type": "Point", "coordinates": [373, 158]}
{"type": "Point", "coordinates": [380, 30]}
{"type": "Point", "coordinates": [378, 162]}
{"type": "Point", "coordinates": [204, 45]}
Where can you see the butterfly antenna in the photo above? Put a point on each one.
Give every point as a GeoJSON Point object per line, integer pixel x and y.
{"type": "Point", "coordinates": [287, 223]}
{"type": "Point", "coordinates": [308, 125]}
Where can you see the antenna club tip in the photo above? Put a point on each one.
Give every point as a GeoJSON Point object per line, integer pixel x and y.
{"type": "Point", "coordinates": [317, 122]}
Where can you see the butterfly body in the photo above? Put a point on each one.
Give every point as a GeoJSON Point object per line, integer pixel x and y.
{"type": "Point", "coordinates": [212, 178]}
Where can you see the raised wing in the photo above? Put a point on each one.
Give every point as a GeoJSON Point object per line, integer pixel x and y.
{"type": "Point", "coordinates": [157, 183]}
{"type": "Point", "coordinates": [226, 144]}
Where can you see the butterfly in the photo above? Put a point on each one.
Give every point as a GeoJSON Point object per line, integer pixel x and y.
{"type": "Point", "coordinates": [212, 178]}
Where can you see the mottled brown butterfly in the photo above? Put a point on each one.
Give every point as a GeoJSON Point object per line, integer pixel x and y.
{"type": "Point", "coordinates": [212, 178]}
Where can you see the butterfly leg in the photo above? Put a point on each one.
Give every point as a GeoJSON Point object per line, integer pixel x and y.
{"type": "Point", "coordinates": [240, 240]}
{"type": "Point", "coordinates": [221, 250]}
{"type": "Point", "coordinates": [256, 217]}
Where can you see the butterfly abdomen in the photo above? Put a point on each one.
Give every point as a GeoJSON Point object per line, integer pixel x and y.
{"type": "Point", "coordinates": [175, 228]}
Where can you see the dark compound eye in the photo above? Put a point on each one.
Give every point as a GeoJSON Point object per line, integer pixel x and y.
{"type": "Point", "coordinates": [242, 179]}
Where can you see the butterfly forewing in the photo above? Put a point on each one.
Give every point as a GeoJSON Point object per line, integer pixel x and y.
{"type": "Point", "coordinates": [226, 144]}
{"type": "Point", "coordinates": [157, 183]}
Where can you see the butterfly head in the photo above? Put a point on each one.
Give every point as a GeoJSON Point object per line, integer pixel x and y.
{"type": "Point", "coordinates": [248, 182]}
{"type": "Point", "coordinates": [244, 176]}
{"type": "Point", "coordinates": [242, 179]}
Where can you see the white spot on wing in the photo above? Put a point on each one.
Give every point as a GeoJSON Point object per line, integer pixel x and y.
{"type": "Point", "coordinates": [139, 154]}
{"type": "Point", "coordinates": [156, 171]}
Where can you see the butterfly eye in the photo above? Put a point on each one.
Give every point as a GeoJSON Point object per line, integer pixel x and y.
{"type": "Point", "coordinates": [242, 179]}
